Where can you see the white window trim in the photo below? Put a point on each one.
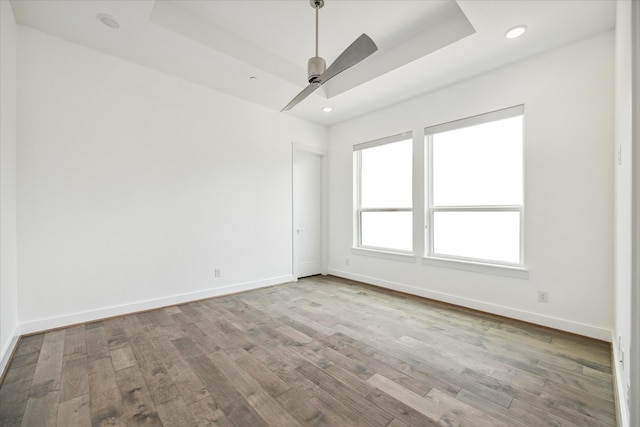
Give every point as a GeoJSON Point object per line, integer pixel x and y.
{"type": "Point", "coordinates": [472, 264]}
{"type": "Point", "coordinates": [492, 116]}
{"type": "Point", "coordinates": [478, 267]}
{"type": "Point", "coordinates": [385, 254]}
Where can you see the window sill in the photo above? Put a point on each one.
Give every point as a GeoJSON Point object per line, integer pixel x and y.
{"type": "Point", "coordinates": [478, 267]}
{"type": "Point", "coordinates": [377, 253]}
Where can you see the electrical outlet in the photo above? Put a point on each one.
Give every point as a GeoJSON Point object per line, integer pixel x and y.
{"type": "Point", "coordinates": [216, 272]}
{"type": "Point", "coordinates": [346, 261]}
{"type": "Point", "coordinates": [619, 154]}
{"type": "Point", "coordinates": [628, 393]}
{"type": "Point", "coordinates": [620, 352]}
{"type": "Point", "coordinates": [543, 296]}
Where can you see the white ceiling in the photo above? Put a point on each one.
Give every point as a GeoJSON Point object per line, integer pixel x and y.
{"type": "Point", "coordinates": [423, 44]}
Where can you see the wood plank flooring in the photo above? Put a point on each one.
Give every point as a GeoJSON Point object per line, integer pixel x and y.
{"type": "Point", "coordinates": [319, 352]}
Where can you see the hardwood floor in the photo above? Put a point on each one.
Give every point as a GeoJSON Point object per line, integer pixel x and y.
{"type": "Point", "coordinates": [319, 352]}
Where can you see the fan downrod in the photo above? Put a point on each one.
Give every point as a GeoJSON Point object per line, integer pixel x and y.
{"type": "Point", "coordinates": [316, 65]}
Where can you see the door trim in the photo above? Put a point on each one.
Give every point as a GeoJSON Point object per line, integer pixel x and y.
{"type": "Point", "coordinates": [634, 349]}
{"type": "Point", "coordinates": [297, 149]}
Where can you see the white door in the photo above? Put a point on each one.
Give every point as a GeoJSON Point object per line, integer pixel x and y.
{"type": "Point", "coordinates": [307, 213]}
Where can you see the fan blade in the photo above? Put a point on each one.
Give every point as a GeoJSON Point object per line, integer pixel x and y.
{"type": "Point", "coordinates": [299, 97]}
{"type": "Point", "coordinates": [360, 49]}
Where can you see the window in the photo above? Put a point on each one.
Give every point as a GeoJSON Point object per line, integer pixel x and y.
{"type": "Point", "coordinates": [475, 189]}
{"type": "Point", "coordinates": [384, 214]}
{"type": "Point", "coordinates": [464, 186]}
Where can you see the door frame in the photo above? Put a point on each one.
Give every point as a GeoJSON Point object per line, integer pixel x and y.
{"type": "Point", "coordinates": [634, 350]}
{"type": "Point", "coordinates": [296, 150]}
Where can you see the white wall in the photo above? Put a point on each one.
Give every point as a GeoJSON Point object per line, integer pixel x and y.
{"type": "Point", "coordinates": [134, 185]}
{"type": "Point", "coordinates": [8, 246]}
{"type": "Point", "coordinates": [568, 98]}
{"type": "Point", "coordinates": [623, 202]}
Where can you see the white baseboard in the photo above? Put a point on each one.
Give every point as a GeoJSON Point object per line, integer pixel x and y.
{"type": "Point", "coordinates": [526, 316]}
{"type": "Point", "coordinates": [40, 325]}
{"type": "Point", "coordinates": [620, 392]}
{"type": "Point", "coordinates": [8, 349]}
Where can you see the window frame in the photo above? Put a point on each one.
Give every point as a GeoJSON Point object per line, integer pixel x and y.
{"type": "Point", "coordinates": [430, 209]}
{"type": "Point", "coordinates": [359, 210]}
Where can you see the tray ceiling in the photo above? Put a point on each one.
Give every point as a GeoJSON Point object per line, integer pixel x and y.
{"type": "Point", "coordinates": [422, 45]}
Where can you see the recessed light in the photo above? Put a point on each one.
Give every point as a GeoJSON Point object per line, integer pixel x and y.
{"type": "Point", "coordinates": [327, 109]}
{"type": "Point", "coordinates": [253, 78]}
{"type": "Point", "coordinates": [515, 32]}
{"type": "Point", "coordinates": [108, 20]}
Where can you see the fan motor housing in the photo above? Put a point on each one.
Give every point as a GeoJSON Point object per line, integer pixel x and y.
{"type": "Point", "coordinates": [316, 66]}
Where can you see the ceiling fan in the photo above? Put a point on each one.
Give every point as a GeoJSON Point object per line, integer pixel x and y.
{"type": "Point", "coordinates": [319, 74]}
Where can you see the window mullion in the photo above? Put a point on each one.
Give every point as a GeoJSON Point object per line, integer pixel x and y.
{"type": "Point", "coordinates": [429, 185]}
{"type": "Point", "coordinates": [403, 209]}
{"type": "Point", "coordinates": [492, 208]}
{"type": "Point", "coordinates": [359, 199]}
{"type": "Point", "coordinates": [418, 195]}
